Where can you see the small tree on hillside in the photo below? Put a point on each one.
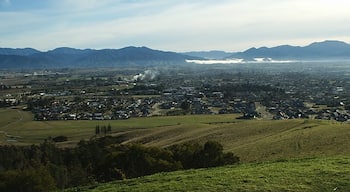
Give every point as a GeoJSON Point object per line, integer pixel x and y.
{"type": "Point", "coordinates": [109, 128]}
{"type": "Point", "coordinates": [104, 129]}
{"type": "Point", "coordinates": [185, 105]}
{"type": "Point", "coordinates": [97, 130]}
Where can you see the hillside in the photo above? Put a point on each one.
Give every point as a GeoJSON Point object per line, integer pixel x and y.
{"type": "Point", "coordinates": [324, 144]}
{"type": "Point", "coordinates": [256, 140]}
{"type": "Point", "coordinates": [304, 175]}
{"type": "Point", "coordinates": [251, 140]}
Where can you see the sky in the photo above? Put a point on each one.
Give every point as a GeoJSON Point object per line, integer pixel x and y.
{"type": "Point", "coordinates": [171, 25]}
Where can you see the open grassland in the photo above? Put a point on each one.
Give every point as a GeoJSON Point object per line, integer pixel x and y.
{"type": "Point", "coordinates": [286, 155]}
{"type": "Point", "coordinates": [304, 175]}
{"type": "Point", "coordinates": [19, 124]}
{"type": "Point", "coordinates": [251, 140]}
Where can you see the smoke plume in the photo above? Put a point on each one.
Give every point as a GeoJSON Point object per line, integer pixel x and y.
{"type": "Point", "coordinates": [146, 75]}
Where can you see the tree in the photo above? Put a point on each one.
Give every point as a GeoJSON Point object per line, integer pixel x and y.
{"type": "Point", "coordinates": [104, 129]}
{"type": "Point", "coordinates": [60, 175]}
{"type": "Point", "coordinates": [185, 153]}
{"type": "Point", "coordinates": [193, 155]}
{"type": "Point", "coordinates": [109, 128]}
{"type": "Point", "coordinates": [211, 154]}
{"type": "Point", "coordinates": [28, 180]}
{"type": "Point", "coordinates": [97, 130]}
{"type": "Point", "coordinates": [185, 105]}
{"type": "Point", "coordinates": [136, 160]}
{"type": "Point", "coordinates": [60, 138]}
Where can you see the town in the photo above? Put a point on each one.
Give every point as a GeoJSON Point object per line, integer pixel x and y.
{"type": "Point", "coordinates": [271, 91]}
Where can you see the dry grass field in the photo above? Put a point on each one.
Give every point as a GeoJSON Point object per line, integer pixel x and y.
{"type": "Point", "coordinates": [281, 155]}
{"type": "Point", "coordinates": [251, 140]}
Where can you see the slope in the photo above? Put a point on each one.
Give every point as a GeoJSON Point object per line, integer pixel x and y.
{"type": "Point", "coordinates": [313, 174]}
{"type": "Point", "coordinates": [251, 140]}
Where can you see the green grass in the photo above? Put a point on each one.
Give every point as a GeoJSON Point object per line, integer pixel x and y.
{"type": "Point", "coordinates": [251, 140]}
{"type": "Point", "coordinates": [312, 174]}
{"type": "Point", "coordinates": [19, 123]}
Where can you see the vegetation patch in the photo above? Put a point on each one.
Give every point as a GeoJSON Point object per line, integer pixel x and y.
{"type": "Point", "coordinates": [99, 160]}
{"type": "Point", "coordinates": [294, 175]}
{"type": "Point", "coordinates": [60, 138]}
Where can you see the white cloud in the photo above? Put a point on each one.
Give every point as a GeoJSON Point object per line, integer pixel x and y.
{"type": "Point", "coordinates": [178, 25]}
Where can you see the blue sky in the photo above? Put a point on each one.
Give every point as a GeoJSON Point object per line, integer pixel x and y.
{"type": "Point", "coordinates": [174, 25]}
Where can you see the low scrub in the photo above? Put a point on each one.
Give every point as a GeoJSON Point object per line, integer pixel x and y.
{"type": "Point", "coordinates": [99, 160]}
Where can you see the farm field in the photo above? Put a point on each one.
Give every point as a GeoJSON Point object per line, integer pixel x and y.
{"type": "Point", "coordinates": [251, 140]}
{"type": "Point", "coordinates": [311, 174]}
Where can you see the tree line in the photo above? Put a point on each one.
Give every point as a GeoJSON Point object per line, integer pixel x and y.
{"type": "Point", "coordinates": [103, 130]}
{"type": "Point", "coordinates": [46, 167]}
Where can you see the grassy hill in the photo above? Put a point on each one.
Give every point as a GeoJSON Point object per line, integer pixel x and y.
{"type": "Point", "coordinates": [251, 140]}
{"type": "Point", "coordinates": [313, 174]}
{"type": "Point", "coordinates": [286, 155]}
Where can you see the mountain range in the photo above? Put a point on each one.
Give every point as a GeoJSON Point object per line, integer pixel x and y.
{"type": "Point", "coordinates": [329, 49]}
{"type": "Point", "coordinates": [66, 57]}
{"type": "Point", "coordinates": [318, 51]}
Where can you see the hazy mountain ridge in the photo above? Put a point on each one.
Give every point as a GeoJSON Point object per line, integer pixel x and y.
{"type": "Point", "coordinates": [141, 56]}
{"type": "Point", "coordinates": [70, 57]}
{"type": "Point", "coordinates": [318, 50]}
{"type": "Point", "coordinates": [209, 54]}
{"type": "Point", "coordinates": [18, 51]}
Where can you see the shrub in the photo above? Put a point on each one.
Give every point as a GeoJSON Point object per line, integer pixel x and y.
{"type": "Point", "coordinates": [28, 180]}
{"type": "Point", "coordinates": [197, 156]}
{"type": "Point", "coordinates": [60, 138]}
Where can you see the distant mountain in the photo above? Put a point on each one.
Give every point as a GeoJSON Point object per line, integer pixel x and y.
{"type": "Point", "coordinates": [65, 57]}
{"type": "Point", "coordinates": [69, 51]}
{"type": "Point", "coordinates": [319, 50]}
{"type": "Point", "coordinates": [70, 57]}
{"type": "Point", "coordinates": [209, 54]}
{"type": "Point", "coordinates": [21, 52]}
